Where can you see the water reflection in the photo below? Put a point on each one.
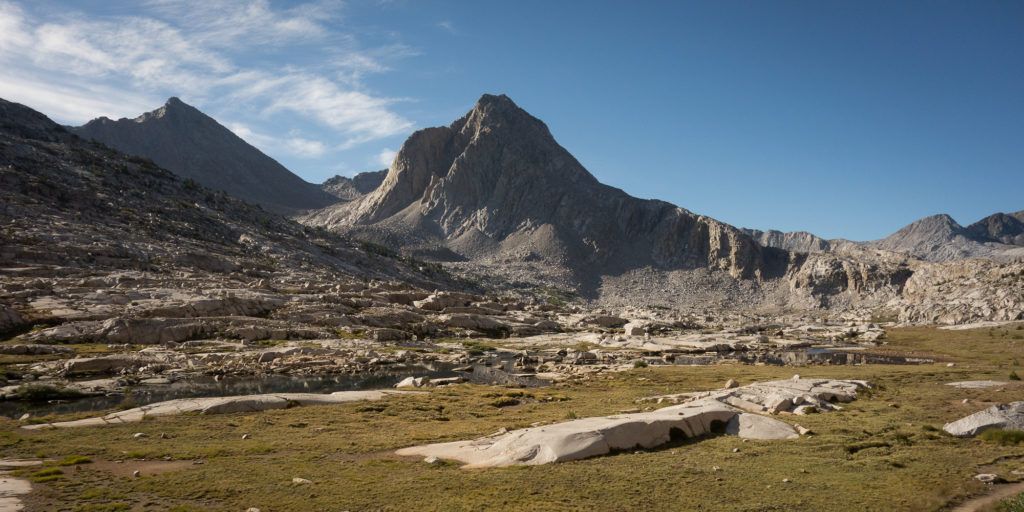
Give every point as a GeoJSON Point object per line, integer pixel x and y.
{"type": "Point", "coordinates": [204, 386]}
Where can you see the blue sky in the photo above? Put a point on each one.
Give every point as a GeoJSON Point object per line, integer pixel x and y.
{"type": "Point", "coordinates": [845, 119]}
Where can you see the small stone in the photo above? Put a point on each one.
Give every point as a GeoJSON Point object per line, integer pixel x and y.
{"type": "Point", "coordinates": [25, 416]}
{"type": "Point", "coordinates": [796, 377]}
{"type": "Point", "coordinates": [140, 435]}
{"type": "Point", "coordinates": [950, 365]}
{"type": "Point", "coordinates": [432, 460]}
{"type": "Point", "coordinates": [245, 436]}
{"type": "Point", "coordinates": [803, 470]}
{"type": "Point", "coordinates": [253, 509]}
{"type": "Point", "coordinates": [965, 401]}
{"type": "Point", "coordinates": [137, 473]}
{"type": "Point", "coordinates": [986, 477]}
{"type": "Point", "coordinates": [729, 384]}
{"type": "Point", "coordinates": [803, 430]}
{"type": "Point", "coordinates": [745, 440]}
{"type": "Point", "coordinates": [785, 480]}
{"type": "Point", "coordinates": [298, 480]}
{"type": "Point", "coordinates": [715, 468]}
{"type": "Point", "coordinates": [735, 450]}
{"type": "Point", "coordinates": [163, 435]}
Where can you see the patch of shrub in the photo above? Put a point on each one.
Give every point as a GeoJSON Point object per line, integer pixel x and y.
{"type": "Point", "coordinates": [505, 401]}
{"type": "Point", "coordinates": [854, 448]}
{"type": "Point", "coordinates": [1012, 504]}
{"type": "Point", "coordinates": [72, 460]}
{"type": "Point", "coordinates": [1014, 376]}
{"type": "Point", "coordinates": [1003, 437]}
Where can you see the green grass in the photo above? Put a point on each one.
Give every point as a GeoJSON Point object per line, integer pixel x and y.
{"type": "Point", "coordinates": [1003, 437]}
{"type": "Point", "coordinates": [43, 392]}
{"type": "Point", "coordinates": [869, 455]}
{"type": "Point", "coordinates": [72, 460]}
{"type": "Point", "coordinates": [1014, 504]}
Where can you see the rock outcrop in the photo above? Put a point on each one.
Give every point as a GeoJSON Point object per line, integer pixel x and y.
{"type": "Point", "coordinates": [221, 405]}
{"type": "Point", "coordinates": [795, 241]}
{"type": "Point", "coordinates": [719, 411]}
{"type": "Point", "coordinates": [1004, 416]}
{"type": "Point", "coordinates": [183, 140]}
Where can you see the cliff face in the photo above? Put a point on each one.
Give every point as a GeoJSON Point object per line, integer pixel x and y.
{"type": "Point", "coordinates": [183, 140]}
{"type": "Point", "coordinates": [495, 184]}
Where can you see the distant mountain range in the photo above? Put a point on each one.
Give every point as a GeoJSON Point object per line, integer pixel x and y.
{"type": "Point", "coordinates": [349, 189]}
{"type": "Point", "coordinates": [181, 139]}
{"type": "Point", "coordinates": [936, 238]}
{"type": "Point", "coordinates": [495, 185]}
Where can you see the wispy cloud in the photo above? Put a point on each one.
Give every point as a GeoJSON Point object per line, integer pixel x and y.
{"type": "Point", "coordinates": [293, 144]}
{"type": "Point", "coordinates": [447, 26]}
{"type": "Point", "coordinates": [123, 65]}
{"type": "Point", "coordinates": [305, 147]}
{"type": "Point", "coordinates": [385, 157]}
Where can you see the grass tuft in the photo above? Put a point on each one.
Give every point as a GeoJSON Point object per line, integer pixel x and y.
{"type": "Point", "coordinates": [1003, 437]}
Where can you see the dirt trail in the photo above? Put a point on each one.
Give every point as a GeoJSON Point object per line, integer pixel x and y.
{"type": "Point", "coordinates": [998, 492]}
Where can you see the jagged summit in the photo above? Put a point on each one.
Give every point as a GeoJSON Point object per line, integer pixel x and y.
{"type": "Point", "coordinates": [1007, 228]}
{"type": "Point", "coordinates": [182, 139]}
{"type": "Point", "coordinates": [941, 238]}
{"type": "Point", "coordinates": [496, 186]}
{"type": "Point", "coordinates": [347, 189]}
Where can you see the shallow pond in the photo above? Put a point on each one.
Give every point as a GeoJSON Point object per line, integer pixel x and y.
{"type": "Point", "coordinates": [204, 386]}
{"type": "Point", "coordinates": [498, 371]}
{"type": "Point", "coordinates": [799, 357]}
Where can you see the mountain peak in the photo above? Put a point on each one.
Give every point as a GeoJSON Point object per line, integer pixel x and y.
{"type": "Point", "coordinates": [184, 140]}
{"type": "Point", "coordinates": [492, 100]}
{"type": "Point", "coordinates": [173, 106]}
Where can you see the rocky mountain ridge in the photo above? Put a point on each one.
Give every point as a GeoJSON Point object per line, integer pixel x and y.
{"type": "Point", "coordinates": [130, 215]}
{"type": "Point", "coordinates": [349, 189]}
{"type": "Point", "coordinates": [938, 238]}
{"type": "Point", "coordinates": [496, 187]}
{"type": "Point", "coordinates": [180, 138]}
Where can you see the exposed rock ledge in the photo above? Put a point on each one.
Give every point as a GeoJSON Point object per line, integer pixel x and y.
{"type": "Point", "coordinates": [222, 405]}
{"type": "Point", "coordinates": [1003, 416]}
{"type": "Point", "coordinates": [590, 437]}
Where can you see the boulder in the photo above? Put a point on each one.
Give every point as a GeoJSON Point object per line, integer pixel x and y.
{"type": "Point", "coordinates": [385, 334]}
{"type": "Point", "coordinates": [1004, 416]}
{"type": "Point", "coordinates": [636, 328]}
{"type": "Point", "coordinates": [10, 318]}
{"type": "Point", "coordinates": [474, 322]}
{"type": "Point", "coordinates": [606, 321]}
{"type": "Point", "coordinates": [413, 382]}
{"type": "Point", "coordinates": [105, 364]}
{"type": "Point", "coordinates": [755, 426]}
{"type": "Point", "coordinates": [589, 437]}
{"type": "Point", "coordinates": [151, 331]}
{"type": "Point", "coordinates": [439, 300]}
{"type": "Point", "coordinates": [579, 439]}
